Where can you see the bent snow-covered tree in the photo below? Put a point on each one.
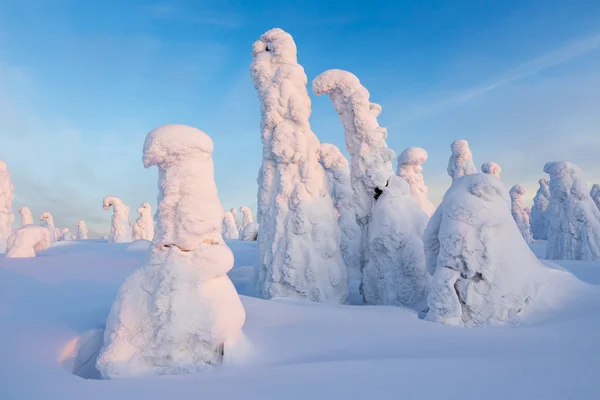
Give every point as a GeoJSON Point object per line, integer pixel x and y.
{"type": "Point", "coordinates": [26, 217]}
{"type": "Point", "coordinates": [179, 313]}
{"type": "Point", "coordinates": [520, 215]}
{"type": "Point", "coordinates": [483, 271]}
{"type": "Point", "coordinates": [48, 220]}
{"type": "Point", "coordinates": [539, 219]}
{"type": "Point", "coordinates": [595, 194]}
{"type": "Point", "coordinates": [230, 230]}
{"type": "Point", "coordinates": [391, 224]}
{"type": "Point", "coordinates": [410, 168]}
{"type": "Point", "coordinates": [246, 217]}
{"type": "Point", "coordinates": [120, 226]}
{"type": "Point", "coordinates": [82, 232]}
{"type": "Point", "coordinates": [461, 160]}
{"type": "Point", "coordinates": [27, 241]}
{"type": "Point", "coordinates": [143, 228]}
{"type": "Point", "coordinates": [6, 198]}
{"type": "Point", "coordinates": [573, 218]}
{"type": "Point", "coordinates": [491, 168]}
{"type": "Point", "coordinates": [299, 235]}
{"type": "Point", "coordinates": [338, 174]}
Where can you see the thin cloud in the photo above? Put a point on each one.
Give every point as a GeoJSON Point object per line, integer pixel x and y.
{"type": "Point", "coordinates": [211, 18]}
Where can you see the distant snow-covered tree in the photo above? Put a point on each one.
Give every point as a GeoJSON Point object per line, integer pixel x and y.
{"type": "Point", "coordinates": [250, 232]}
{"type": "Point", "coordinates": [26, 217]}
{"type": "Point", "coordinates": [120, 227]}
{"type": "Point", "coordinates": [143, 228]}
{"type": "Point", "coordinates": [519, 213]}
{"type": "Point", "coordinates": [246, 217]}
{"type": "Point", "coordinates": [230, 231]}
{"type": "Point", "coordinates": [461, 160]}
{"type": "Point", "coordinates": [65, 235]}
{"type": "Point", "coordinates": [82, 232]}
{"type": "Point", "coordinates": [491, 168]}
{"type": "Point", "coordinates": [539, 219]}
{"type": "Point", "coordinates": [6, 198]}
{"type": "Point", "coordinates": [595, 194]}
{"type": "Point", "coordinates": [410, 168]}
{"type": "Point", "coordinates": [48, 220]}
{"type": "Point", "coordinates": [26, 241]}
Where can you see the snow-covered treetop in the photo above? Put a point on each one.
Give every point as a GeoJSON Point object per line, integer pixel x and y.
{"type": "Point", "coordinates": [46, 217]}
{"type": "Point", "coordinates": [81, 224]}
{"type": "Point", "coordinates": [491, 168]}
{"type": "Point", "coordinates": [145, 207]}
{"type": "Point", "coordinates": [169, 143]}
{"type": "Point", "coordinates": [412, 156]}
{"type": "Point", "coordinates": [461, 160]}
{"type": "Point", "coordinates": [331, 157]}
{"type": "Point", "coordinates": [517, 191]}
{"type": "Point", "coordinates": [111, 201]}
{"type": "Point", "coordinates": [276, 44]}
{"type": "Point", "coordinates": [567, 177]}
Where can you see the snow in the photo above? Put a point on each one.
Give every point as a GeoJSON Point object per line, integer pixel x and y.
{"type": "Point", "coordinates": [338, 175]}
{"type": "Point", "coordinates": [539, 219]}
{"type": "Point", "coordinates": [483, 271]}
{"type": "Point", "coordinates": [48, 221]}
{"type": "Point", "coordinates": [250, 232]}
{"type": "Point", "coordinates": [234, 212]}
{"type": "Point", "coordinates": [6, 198]}
{"type": "Point", "coordinates": [143, 228]}
{"type": "Point", "coordinates": [26, 217]}
{"type": "Point", "coordinates": [410, 168]}
{"type": "Point", "coordinates": [120, 227]}
{"type": "Point", "coordinates": [573, 218]}
{"type": "Point", "coordinates": [299, 235]}
{"type": "Point", "coordinates": [230, 230]}
{"type": "Point", "coordinates": [82, 232]}
{"type": "Point", "coordinates": [461, 160]}
{"type": "Point", "coordinates": [491, 168]}
{"type": "Point", "coordinates": [595, 194]}
{"type": "Point", "coordinates": [519, 212]}
{"type": "Point", "coordinates": [26, 241]}
{"type": "Point", "coordinates": [56, 303]}
{"type": "Point", "coordinates": [246, 217]}
{"type": "Point", "coordinates": [65, 235]}
{"type": "Point", "coordinates": [179, 313]}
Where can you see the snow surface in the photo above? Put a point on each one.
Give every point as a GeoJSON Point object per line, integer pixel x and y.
{"type": "Point", "coordinates": [410, 168]}
{"type": "Point", "coordinates": [48, 221]}
{"type": "Point", "coordinates": [120, 226]}
{"type": "Point", "coordinates": [26, 217]}
{"type": "Point", "coordinates": [143, 228]}
{"type": "Point", "coordinates": [299, 235]}
{"type": "Point", "coordinates": [26, 241]}
{"type": "Point", "coordinates": [539, 218]}
{"type": "Point", "coordinates": [574, 219]}
{"type": "Point", "coordinates": [491, 168]}
{"type": "Point", "coordinates": [6, 198]}
{"type": "Point", "coordinates": [82, 232]}
{"type": "Point", "coordinates": [519, 212]}
{"type": "Point", "coordinates": [230, 230]}
{"type": "Point", "coordinates": [57, 303]}
{"type": "Point", "coordinates": [461, 160]}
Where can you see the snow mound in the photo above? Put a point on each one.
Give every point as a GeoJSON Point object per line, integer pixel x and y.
{"type": "Point", "coordinates": [139, 245]}
{"type": "Point", "coordinates": [491, 168]}
{"type": "Point", "coordinates": [410, 168]}
{"type": "Point", "coordinates": [26, 241]}
{"type": "Point", "coordinates": [461, 160]}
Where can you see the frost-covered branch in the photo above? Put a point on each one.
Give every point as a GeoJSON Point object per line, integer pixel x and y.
{"type": "Point", "coordinates": [410, 168]}
{"type": "Point", "coordinates": [519, 213]}
{"type": "Point", "coordinates": [120, 227]}
{"type": "Point", "coordinates": [143, 228]}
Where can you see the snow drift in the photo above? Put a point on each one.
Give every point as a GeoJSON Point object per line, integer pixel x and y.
{"type": "Point", "coordinates": [539, 220]}
{"type": "Point", "coordinates": [520, 215]}
{"type": "Point", "coordinates": [26, 241]}
{"type": "Point", "coordinates": [461, 160]}
{"type": "Point", "coordinates": [120, 227]}
{"type": "Point", "coordinates": [491, 168]}
{"type": "Point", "coordinates": [143, 228]}
{"type": "Point", "coordinates": [299, 237]}
{"type": "Point", "coordinates": [26, 217]}
{"type": "Point", "coordinates": [179, 313]}
{"type": "Point", "coordinates": [410, 168]}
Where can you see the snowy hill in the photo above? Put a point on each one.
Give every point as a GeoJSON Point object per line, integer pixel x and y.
{"type": "Point", "coordinates": [58, 302]}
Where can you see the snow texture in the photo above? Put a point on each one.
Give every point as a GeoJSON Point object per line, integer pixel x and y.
{"type": "Point", "coordinates": [539, 219]}
{"type": "Point", "coordinates": [143, 228]}
{"type": "Point", "coordinates": [338, 175]}
{"type": "Point", "coordinates": [595, 194]}
{"type": "Point", "coordinates": [230, 230]}
{"type": "Point", "coordinates": [179, 313]}
{"type": "Point", "coordinates": [82, 232]}
{"type": "Point", "coordinates": [120, 226]}
{"type": "Point", "coordinates": [6, 198]}
{"type": "Point", "coordinates": [483, 272]}
{"type": "Point", "coordinates": [573, 218]}
{"type": "Point", "coordinates": [26, 217]}
{"type": "Point", "coordinates": [26, 241]}
{"type": "Point", "coordinates": [410, 168]}
{"type": "Point", "coordinates": [48, 220]}
{"type": "Point", "coordinates": [461, 160]}
{"type": "Point", "coordinates": [299, 237]}
{"type": "Point", "coordinates": [250, 232]}
{"type": "Point", "coordinates": [246, 217]}
{"type": "Point", "coordinates": [491, 168]}
{"type": "Point", "coordinates": [519, 213]}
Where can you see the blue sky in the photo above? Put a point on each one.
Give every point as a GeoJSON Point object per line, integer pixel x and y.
{"type": "Point", "coordinates": [82, 82]}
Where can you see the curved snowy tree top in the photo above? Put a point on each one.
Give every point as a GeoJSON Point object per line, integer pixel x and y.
{"type": "Point", "coordinates": [24, 210]}
{"type": "Point", "coordinates": [173, 142]}
{"type": "Point", "coordinates": [331, 157]}
{"type": "Point", "coordinates": [111, 201]}
{"type": "Point", "coordinates": [412, 156]}
{"type": "Point", "coordinates": [567, 178]}
{"type": "Point", "coordinates": [517, 190]}
{"type": "Point", "coordinates": [144, 208]}
{"type": "Point", "coordinates": [46, 216]}
{"type": "Point", "coordinates": [460, 148]}
{"type": "Point", "coordinates": [276, 44]}
{"type": "Point", "coordinates": [491, 168]}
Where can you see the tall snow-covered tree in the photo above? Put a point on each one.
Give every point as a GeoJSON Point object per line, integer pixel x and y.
{"type": "Point", "coordinates": [520, 215]}
{"type": "Point", "coordinates": [410, 168]}
{"type": "Point", "coordinates": [246, 217]}
{"type": "Point", "coordinates": [539, 219]}
{"type": "Point", "coordinates": [230, 230]}
{"type": "Point", "coordinates": [299, 235]}
{"type": "Point", "coordinates": [82, 232]}
{"type": "Point", "coordinates": [120, 227]}
{"type": "Point", "coordinates": [461, 160]}
{"type": "Point", "coordinates": [194, 314]}
{"type": "Point", "coordinates": [26, 217]}
{"type": "Point", "coordinates": [391, 222]}
{"type": "Point", "coordinates": [573, 218]}
{"type": "Point", "coordinates": [143, 228]}
{"type": "Point", "coordinates": [595, 194]}
{"type": "Point", "coordinates": [6, 198]}
{"type": "Point", "coordinates": [48, 221]}
{"type": "Point", "coordinates": [491, 168]}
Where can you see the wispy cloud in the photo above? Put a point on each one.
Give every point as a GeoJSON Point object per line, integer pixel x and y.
{"type": "Point", "coordinates": [558, 56]}
{"type": "Point", "coordinates": [207, 17]}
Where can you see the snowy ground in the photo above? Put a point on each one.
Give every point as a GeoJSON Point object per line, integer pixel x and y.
{"type": "Point", "coordinates": [292, 350]}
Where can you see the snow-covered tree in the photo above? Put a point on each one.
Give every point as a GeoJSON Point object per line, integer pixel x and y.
{"type": "Point", "coordinates": [520, 215]}
{"type": "Point", "coordinates": [338, 175]}
{"type": "Point", "coordinates": [48, 220]}
{"type": "Point", "coordinates": [595, 194]}
{"type": "Point", "coordinates": [179, 313]}
{"type": "Point", "coordinates": [410, 168]}
{"type": "Point", "coordinates": [250, 232]}
{"type": "Point", "coordinates": [26, 217]}
{"type": "Point", "coordinates": [573, 218]}
{"type": "Point", "coordinates": [234, 212]}
{"type": "Point", "coordinates": [461, 160]}
{"type": "Point", "coordinates": [230, 230]}
{"type": "Point", "coordinates": [65, 235]}
{"type": "Point", "coordinates": [26, 241]}
{"type": "Point", "coordinates": [6, 198]}
{"type": "Point", "coordinates": [391, 221]}
{"type": "Point", "coordinates": [120, 227]}
{"type": "Point", "coordinates": [483, 271]}
{"type": "Point", "coordinates": [82, 232]}
{"type": "Point", "coordinates": [539, 219]}
{"type": "Point", "coordinates": [491, 168]}
{"type": "Point", "coordinates": [299, 237]}
{"type": "Point", "coordinates": [246, 217]}
{"type": "Point", "coordinates": [143, 228]}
